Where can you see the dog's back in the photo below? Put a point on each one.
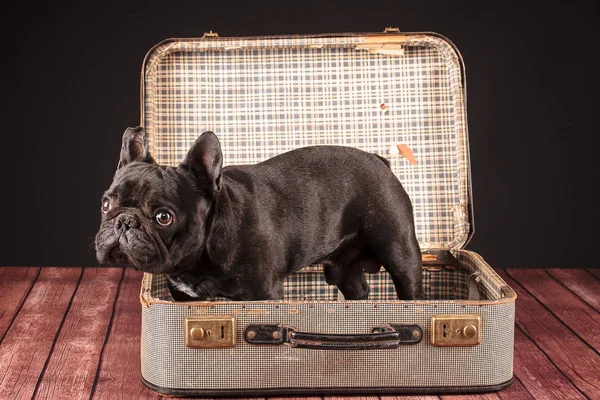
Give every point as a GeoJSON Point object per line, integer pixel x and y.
{"type": "Point", "coordinates": [335, 205]}
{"type": "Point", "coordinates": [323, 171]}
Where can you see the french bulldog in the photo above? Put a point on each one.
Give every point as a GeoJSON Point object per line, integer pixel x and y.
{"type": "Point", "coordinates": [238, 231]}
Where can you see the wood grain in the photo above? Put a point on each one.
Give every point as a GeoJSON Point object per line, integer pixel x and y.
{"type": "Point", "coordinates": [118, 376]}
{"type": "Point", "coordinates": [228, 398]}
{"type": "Point", "coordinates": [72, 365]}
{"type": "Point", "coordinates": [580, 283]}
{"type": "Point", "coordinates": [594, 272]}
{"type": "Point", "coordinates": [574, 312]}
{"type": "Point", "coordinates": [28, 343]}
{"type": "Point", "coordinates": [540, 377]}
{"type": "Point", "coordinates": [573, 357]}
{"type": "Point", "coordinates": [15, 283]}
{"type": "Point", "coordinates": [351, 398]}
{"type": "Point", "coordinates": [76, 350]}
{"type": "Point", "coordinates": [515, 391]}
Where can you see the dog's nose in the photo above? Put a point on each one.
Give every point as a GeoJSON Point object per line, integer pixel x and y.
{"type": "Point", "coordinates": [126, 221]}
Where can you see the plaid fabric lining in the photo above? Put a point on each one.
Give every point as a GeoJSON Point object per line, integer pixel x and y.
{"type": "Point", "coordinates": [445, 283]}
{"type": "Point", "coordinates": [265, 96]}
{"type": "Point", "coordinates": [491, 283]}
{"type": "Point", "coordinates": [439, 283]}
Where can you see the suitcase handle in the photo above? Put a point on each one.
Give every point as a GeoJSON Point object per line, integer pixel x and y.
{"type": "Point", "coordinates": [388, 336]}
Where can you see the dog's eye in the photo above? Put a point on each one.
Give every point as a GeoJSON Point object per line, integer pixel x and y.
{"type": "Point", "coordinates": [164, 218]}
{"type": "Point", "coordinates": [105, 205]}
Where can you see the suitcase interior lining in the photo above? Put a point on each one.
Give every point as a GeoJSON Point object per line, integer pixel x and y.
{"type": "Point", "coordinates": [266, 96]}
{"type": "Point", "coordinates": [441, 282]}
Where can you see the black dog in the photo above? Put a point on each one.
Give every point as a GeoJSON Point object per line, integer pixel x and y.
{"type": "Point", "coordinates": [238, 231]}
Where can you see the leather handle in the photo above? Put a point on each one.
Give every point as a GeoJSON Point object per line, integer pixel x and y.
{"type": "Point", "coordinates": [375, 341]}
{"type": "Point", "coordinates": [388, 336]}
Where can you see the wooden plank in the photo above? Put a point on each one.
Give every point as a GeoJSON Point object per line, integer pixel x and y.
{"type": "Point", "coordinates": [515, 391]}
{"type": "Point", "coordinates": [536, 372]}
{"type": "Point", "coordinates": [15, 284]}
{"type": "Point", "coordinates": [574, 312]}
{"type": "Point", "coordinates": [231, 398]}
{"type": "Point", "coordinates": [72, 365]}
{"type": "Point", "coordinates": [349, 398]}
{"type": "Point", "coordinates": [594, 272]}
{"type": "Point", "coordinates": [574, 358]}
{"type": "Point", "coordinates": [415, 397]}
{"type": "Point", "coordinates": [28, 343]}
{"type": "Point", "coordinates": [580, 283]}
{"type": "Point", "coordinates": [119, 369]}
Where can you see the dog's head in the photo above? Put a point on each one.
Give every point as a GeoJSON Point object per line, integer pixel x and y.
{"type": "Point", "coordinates": [155, 217]}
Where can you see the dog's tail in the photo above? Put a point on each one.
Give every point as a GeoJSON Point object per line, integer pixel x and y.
{"type": "Point", "coordinates": [385, 161]}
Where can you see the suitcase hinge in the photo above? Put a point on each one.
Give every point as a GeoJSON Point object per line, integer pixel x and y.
{"type": "Point", "coordinates": [210, 34]}
{"type": "Point", "coordinates": [387, 43]}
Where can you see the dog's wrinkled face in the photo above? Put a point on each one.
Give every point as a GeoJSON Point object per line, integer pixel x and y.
{"type": "Point", "coordinates": [154, 217]}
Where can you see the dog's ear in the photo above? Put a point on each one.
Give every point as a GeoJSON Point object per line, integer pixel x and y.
{"type": "Point", "coordinates": [205, 160]}
{"type": "Point", "coordinates": [134, 147]}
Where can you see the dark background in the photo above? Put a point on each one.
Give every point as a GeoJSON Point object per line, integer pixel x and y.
{"type": "Point", "coordinates": [70, 86]}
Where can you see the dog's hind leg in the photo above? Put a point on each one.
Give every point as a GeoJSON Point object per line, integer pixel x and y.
{"type": "Point", "coordinates": [400, 255]}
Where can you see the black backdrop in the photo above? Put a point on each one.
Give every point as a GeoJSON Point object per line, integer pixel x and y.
{"type": "Point", "coordinates": [70, 85]}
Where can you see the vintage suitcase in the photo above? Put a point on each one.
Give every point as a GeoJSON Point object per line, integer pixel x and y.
{"type": "Point", "coordinates": [266, 95]}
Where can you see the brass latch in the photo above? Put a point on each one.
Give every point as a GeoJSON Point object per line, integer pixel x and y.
{"type": "Point", "coordinates": [209, 331]}
{"type": "Point", "coordinates": [456, 330]}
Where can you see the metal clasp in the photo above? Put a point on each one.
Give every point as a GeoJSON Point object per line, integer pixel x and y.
{"type": "Point", "coordinates": [455, 330]}
{"type": "Point", "coordinates": [209, 331]}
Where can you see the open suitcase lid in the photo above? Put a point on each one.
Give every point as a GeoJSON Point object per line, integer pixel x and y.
{"type": "Point", "coordinates": [263, 96]}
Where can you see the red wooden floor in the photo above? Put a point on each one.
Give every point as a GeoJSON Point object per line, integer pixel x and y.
{"type": "Point", "coordinates": [72, 333]}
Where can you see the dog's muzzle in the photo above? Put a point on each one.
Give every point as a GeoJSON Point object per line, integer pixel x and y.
{"type": "Point", "coordinates": [126, 240]}
{"type": "Point", "coordinates": [124, 222]}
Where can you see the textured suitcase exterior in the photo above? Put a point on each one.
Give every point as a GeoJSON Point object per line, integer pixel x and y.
{"type": "Point", "coordinates": [263, 96]}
